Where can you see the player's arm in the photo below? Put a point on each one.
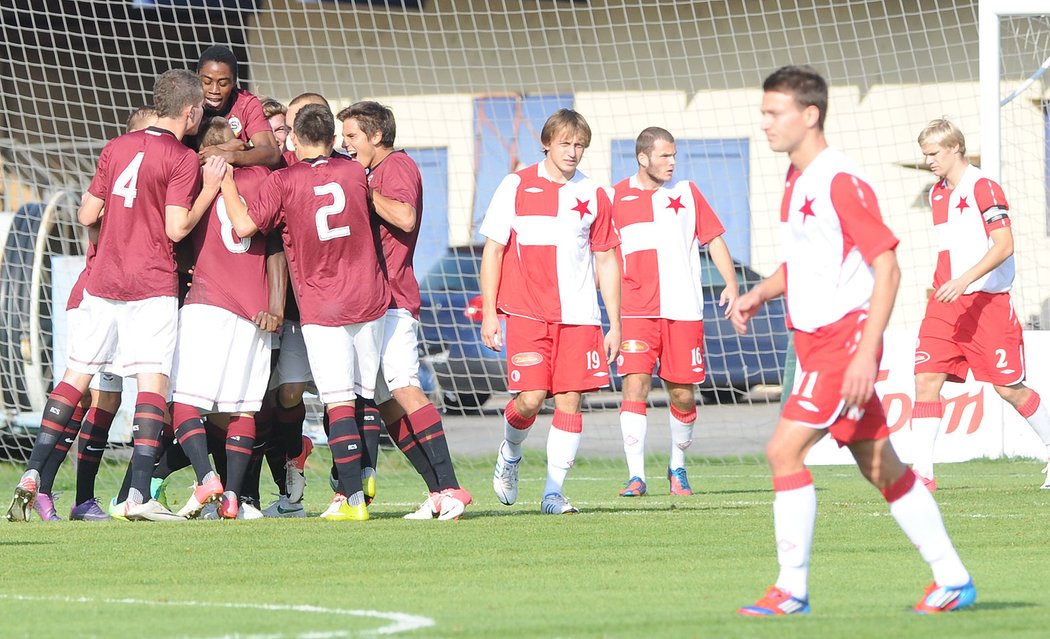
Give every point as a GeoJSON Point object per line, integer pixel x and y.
{"type": "Point", "coordinates": [178, 220]}
{"type": "Point", "coordinates": [858, 384]}
{"type": "Point", "coordinates": [1002, 248]}
{"type": "Point", "coordinates": [719, 252]}
{"type": "Point", "coordinates": [261, 151]}
{"type": "Point", "coordinates": [277, 283]}
{"type": "Point", "coordinates": [747, 305]}
{"type": "Point", "coordinates": [491, 263]}
{"type": "Point", "coordinates": [607, 267]}
{"type": "Point", "coordinates": [236, 209]}
{"type": "Point", "coordinates": [90, 209]}
{"type": "Point", "coordinates": [400, 214]}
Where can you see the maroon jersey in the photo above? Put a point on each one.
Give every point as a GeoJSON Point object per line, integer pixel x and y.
{"type": "Point", "coordinates": [245, 115]}
{"type": "Point", "coordinates": [138, 175]}
{"type": "Point", "coordinates": [230, 271]}
{"type": "Point", "coordinates": [76, 295]}
{"type": "Point", "coordinates": [397, 177]}
{"type": "Point", "coordinates": [334, 268]}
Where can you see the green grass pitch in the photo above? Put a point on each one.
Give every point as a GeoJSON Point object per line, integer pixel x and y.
{"type": "Point", "coordinates": [648, 567]}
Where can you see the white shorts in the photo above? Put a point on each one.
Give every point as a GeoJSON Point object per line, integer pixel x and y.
{"type": "Point", "coordinates": [293, 365]}
{"type": "Point", "coordinates": [400, 361]}
{"type": "Point", "coordinates": [103, 380]}
{"type": "Point", "coordinates": [124, 338]}
{"type": "Point", "coordinates": [222, 362]}
{"type": "Point", "coordinates": [344, 359]}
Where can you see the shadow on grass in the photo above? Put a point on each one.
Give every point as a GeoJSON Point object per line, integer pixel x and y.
{"type": "Point", "coordinates": [27, 543]}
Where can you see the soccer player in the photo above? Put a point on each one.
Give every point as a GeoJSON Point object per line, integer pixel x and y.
{"type": "Point", "coordinates": [840, 277]}
{"type": "Point", "coordinates": [548, 229]}
{"type": "Point", "coordinates": [148, 183]}
{"type": "Point", "coordinates": [662, 226]}
{"type": "Point", "coordinates": [970, 323]}
{"type": "Point", "coordinates": [322, 201]}
{"type": "Point", "coordinates": [227, 312]}
{"type": "Point", "coordinates": [275, 113]}
{"type": "Point", "coordinates": [255, 144]}
{"type": "Point", "coordinates": [396, 190]}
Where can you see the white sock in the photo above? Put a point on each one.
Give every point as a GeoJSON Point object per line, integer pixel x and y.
{"type": "Point", "coordinates": [925, 424]}
{"type": "Point", "coordinates": [917, 514]}
{"type": "Point", "coordinates": [681, 436]}
{"type": "Point", "coordinates": [515, 429]}
{"type": "Point", "coordinates": [1038, 416]}
{"type": "Point", "coordinates": [561, 449]}
{"type": "Point", "coordinates": [794, 517]}
{"type": "Point", "coordinates": [633, 427]}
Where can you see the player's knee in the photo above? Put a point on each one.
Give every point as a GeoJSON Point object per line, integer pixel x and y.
{"type": "Point", "coordinates": [528, 405]}
{"type": "Point", "coordinates": [289, 395]}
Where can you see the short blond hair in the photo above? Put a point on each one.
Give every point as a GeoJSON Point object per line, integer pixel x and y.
{"type": "Point", "coordinates": [943, 132]}
{"type": "Point", "coordinates": [569, 122]}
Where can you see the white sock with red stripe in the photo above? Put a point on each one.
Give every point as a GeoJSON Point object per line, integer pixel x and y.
{"type": "Point", "coordinates": [925, 423]}
{"type": "Point", "coordinates": [1039, 417]}
{"type": "Point", "coordinates": [916, 512]}
{"type": "Point", "coordinates": [515, 430]}
{"type": "Point", "coordinates": [794, 516]}
{"type": "Point", "coordinates": [563, 441]}
{"type": "Point", "coordinates": [681, 435]}
{"type": "Point", "coordinates": [633, 426]}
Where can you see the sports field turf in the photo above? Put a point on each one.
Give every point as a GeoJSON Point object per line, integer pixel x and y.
{"type": "Point", "coordinates": [648, 567]}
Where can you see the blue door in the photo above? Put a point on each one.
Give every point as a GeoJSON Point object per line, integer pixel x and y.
{"type": "Point", "coordinates": [721, 168]}
{"type": "Point", "coordinates": [433, 231]}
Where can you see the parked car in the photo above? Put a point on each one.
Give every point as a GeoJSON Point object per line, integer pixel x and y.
{"type": "Point", "coordinates": [467, 373]}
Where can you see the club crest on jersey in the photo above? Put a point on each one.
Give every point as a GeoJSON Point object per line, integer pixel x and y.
{"type": "Point", "coordinates": [235, 125]}
{"type": "Point", "coordinates": [515, 376]}
{"type": "Point", "coordinates": [526, 359]}
{"type": "Point", "coordinates": [634, 346]}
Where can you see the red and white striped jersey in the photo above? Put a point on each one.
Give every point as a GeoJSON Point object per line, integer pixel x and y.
{"type": "Point", "coordinates": [549, 231]}
{"type": "Point", "coordinates": [661, 232]}
{"type": "Point", "coordinates": [832, 231]}
{"type": "Point", "coordinates": [963, 217]}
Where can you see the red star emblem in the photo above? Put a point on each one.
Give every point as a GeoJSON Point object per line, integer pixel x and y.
{"type": "Point", "coordinates": [962, 205]}
{"type": "Point", "coordinates": [675, 204]}
{"type": "Point", "coordinates": [807, 209]}
{"type": "Point", "coordinates": [581, 207]}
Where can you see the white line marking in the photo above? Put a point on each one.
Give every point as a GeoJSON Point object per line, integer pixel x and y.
{"type": "Point", "coordinates": [399, 621]}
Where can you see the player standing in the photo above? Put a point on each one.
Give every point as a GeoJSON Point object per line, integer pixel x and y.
{"type": "Point", "coordinates": [662, 226]}
{"type": "Point", "coordinates": [342, 292]}
{"type": "Point", "coordinates": [970, 323]}
{"type": "Point", "coordinates": [147, 181]}
{"type": "Point", "coordinates": [549, 227]}
{"type": "Point", "coordinates": [396, 190]}
{"type": "Point", "coordinates": [840, 276]}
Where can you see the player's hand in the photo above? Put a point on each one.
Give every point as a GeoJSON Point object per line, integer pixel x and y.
{"type": "Point", "coordinates": [951, 291]}
{"type": "Point", "coordinates": [266, 321]}
{"type": "Point", "coordinates": [492, 333]}
{"type": "Point", "coordinates": [728, 300]}
{"type": "Point", "coordinates": [612, 345]}
{"type": "Point", "coordinates": [744, 309]}
{"type": "Point", "coordinates": [215, 171]}
{"type": "Point", "coordinates": [858, 383]}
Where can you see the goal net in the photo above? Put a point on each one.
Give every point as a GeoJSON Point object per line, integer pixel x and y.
{"type": "Point", "coordinates": [471, 84]}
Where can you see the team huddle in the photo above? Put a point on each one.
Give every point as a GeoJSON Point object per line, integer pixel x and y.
{"type": "Point", "coordinates": [202, 187]}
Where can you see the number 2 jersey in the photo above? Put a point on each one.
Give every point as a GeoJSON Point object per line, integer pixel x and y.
{"type": "Point", "coordinates": [139, 174]}
{"type": "Point", "coordinates": [328, 239]}
{"type": "Point", "coordinates": [229, 271]}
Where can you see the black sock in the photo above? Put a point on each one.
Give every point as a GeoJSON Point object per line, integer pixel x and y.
{"type": "Point", "coordinates": [58, 454]}
{"type": "Point", "coordinates": [240, 440]}
{"type": "Point", "coordinates": [57, 412]}
{"type": "Point", "coordinates": [430, 434]}
{"type": "Point", "coordinates": [345, 443]}
{"type": "Point", "coordinates": [189, 431]}
{"type": "Point", "coordinates": [94, 433]}
{"type": "Point", "coordinates": [289, 425]}
{"type": "Point", "coordinates": [371, 426]}
{"type": "Point", "coordinates": [147, 426]}
{"type": "Point", "coordinates": [401, 433]}
{"type": "Point", "coordinates": [172, 460]}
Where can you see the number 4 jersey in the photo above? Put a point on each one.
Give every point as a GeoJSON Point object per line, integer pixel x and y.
{"type": "Point", "coordinates": [140, 174]}
{"type": "Point", "coordinates": [328, 239]}
{"type": "Point", "coordinates": [229, 271]}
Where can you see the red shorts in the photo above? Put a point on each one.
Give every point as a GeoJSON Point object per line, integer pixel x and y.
{"type": "Point", "coordinates": [677, 344]}
{"type": "Point", "coordinates": [557, 358]}
{"type": "Point", "coordinates": [816, 398]}
{"type": "Point", "coordinates": [977, 332]}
